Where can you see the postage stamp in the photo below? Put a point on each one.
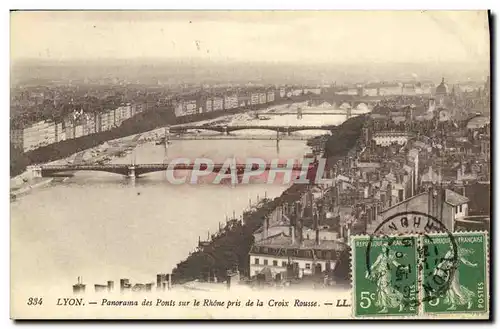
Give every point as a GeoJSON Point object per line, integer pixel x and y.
{"type": "Point", "coordinates": [465, 273]}
{"type": "Point", "coordinates": [387, 283]}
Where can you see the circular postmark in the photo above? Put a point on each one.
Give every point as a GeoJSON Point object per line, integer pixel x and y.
{"type": "Point", "coordinates": [395, 258]}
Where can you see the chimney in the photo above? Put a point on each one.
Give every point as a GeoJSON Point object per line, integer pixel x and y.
{"type": "Point", "coordinates": [439, 207]}
{"type": "Point", "coordinates": [316, 227]}
{"type": "Point", "coordinates": [159, 281]}
{"type": "Point", "coordinates": [389, 190]}
{"type": "Point", "coordinates": [435, 198]}
{"type": "Point", "coordinates": [124, 283]}
{"type": "Point", "coordinates": [266, 226]}
{"type": "Point", "coordinates": [369, 214]}
{"type": "Point", "coordinates": [111, 286]}
{"type": "Point", "coordinates": [300, 230]}
{"type": "Point", "coordinates": [79, 287]}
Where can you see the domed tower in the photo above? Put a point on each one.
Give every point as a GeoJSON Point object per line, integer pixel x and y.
{"type": "Point", "coordinates": [441, 92]}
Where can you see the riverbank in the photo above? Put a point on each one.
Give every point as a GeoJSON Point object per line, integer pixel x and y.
{"type": "Point", "coordinates": [109, 149]}
{"type": "Point", "coordinates": [229, 249]}
{"type": "Point", "coordinates": [118, 147]}
{"type": "Point", "coordinates": [143, 122]}
{"type": "Point", "coordinates": [28, 186]}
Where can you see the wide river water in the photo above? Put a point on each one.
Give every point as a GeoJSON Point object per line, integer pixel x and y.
{"type": "Point", "coordinates": [103, 226]}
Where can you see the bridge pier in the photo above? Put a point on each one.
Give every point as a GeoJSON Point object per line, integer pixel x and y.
{"type": "Point", "coordinates": [36, 172]}
{"type": "Point", "coordinates": [131, 172]}
{"type": "Point", "coordinates": [167, 135]}
{"type": "Point", "coordinates": [299, 113]}
{"type": "Point", "coordinates": [278, 137]}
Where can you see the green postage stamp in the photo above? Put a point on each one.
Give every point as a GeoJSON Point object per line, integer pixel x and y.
{"type": "Point", "coordinates": [427, 274]}
{"type": "Point", "coordinates": [463, 272]}
{"type": "Point", "coordinates": [385, 275]}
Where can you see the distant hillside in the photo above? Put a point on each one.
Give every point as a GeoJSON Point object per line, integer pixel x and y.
{"type": "Point", "coordinates": [197, 71]}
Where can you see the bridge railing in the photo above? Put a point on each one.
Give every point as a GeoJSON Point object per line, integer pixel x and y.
{"type": "Point", "coordinates": [80, 167]}
{"type": "Point", "coordinates": [177, 166]}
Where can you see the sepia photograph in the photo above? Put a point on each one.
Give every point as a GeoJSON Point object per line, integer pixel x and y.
{"type": "Point", "coordinates": [260, 164]}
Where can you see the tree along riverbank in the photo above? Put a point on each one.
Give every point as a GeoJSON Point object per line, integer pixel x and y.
{"type": "Point", "coordinates": [145, 121]}
{"type": "Point", "coordinates": [230, 247]}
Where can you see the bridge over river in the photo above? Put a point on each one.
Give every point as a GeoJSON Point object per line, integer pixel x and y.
{"type": "Point", "coordinates": [230, 128]}
{"type": "Point", "coordinates": [245, 137]}
{"type": "Point", "coordinates": [135, 170]}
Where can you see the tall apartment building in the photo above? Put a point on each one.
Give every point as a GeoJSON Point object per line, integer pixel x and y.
{"type": "Point", "coordinates": [60, 133]}
{"type": "Point", "coordinates": [89, 126]}
{"type": "Point", "coordinates": [270, 96]}
{"type": "Point", "coordinates": [230, 102]}
{"type": "Point", "coordinates": [208, 105]}
{"type": "Point", "coordinates": [16, 138]}
{"type": "Point", "coordinates": [79, 130]}
{"type": "Point", "coordinates": [186, 107]}
{"type": "Point", "coordinates": [190, 107]}
{"type": "Point", "coordinates": [218, 103]}
{"type": "Point", "coordinates": [282, 92]}
{"type": "Point", "coordinates": [37, 135]}
{"type": "Point", "coordinates": [254, 98]}
{"type": "Point", "coordinates": [262, 98]}
{"type": "Point", "coordinates": [69, 130]}
{"type": "Point", "coordinates": [107, 120]}
{"type": "Point", "coordinates": [122, 113]}
{"type": "Point", "coordinates": [244, 99]}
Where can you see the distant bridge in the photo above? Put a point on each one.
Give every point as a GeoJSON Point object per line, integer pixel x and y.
{"type": "Point", "coordinates": [135, 170]}
{"type": "Point", "coordinates": [303, 113]}
{"type": "Point", "coordinates": [355, 100]}
{"type": "Point", "coordinates": [241, 137]}
{"type": "Point", "coordinates": [228, 129]}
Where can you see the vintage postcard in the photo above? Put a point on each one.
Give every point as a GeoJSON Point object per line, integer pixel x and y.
{"type": "Point", "coordinates": [250, 165]}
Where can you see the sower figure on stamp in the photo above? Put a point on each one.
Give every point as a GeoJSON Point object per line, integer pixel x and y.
{"type": "Point", "coordinates": [456, 294]}
{"type": "Point", "coordinates": [380, 272]}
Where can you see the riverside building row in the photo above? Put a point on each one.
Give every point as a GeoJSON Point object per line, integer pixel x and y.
{"type": "Point", "coordinates": [82, 123]}
{"type": "Point", "coordinates": [75, 125]}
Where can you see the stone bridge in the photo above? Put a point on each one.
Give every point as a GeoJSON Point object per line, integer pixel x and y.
{"type": "Point", "coordinates": [229, 129]}
{"type": "Point", "coordinates": [135, 170]}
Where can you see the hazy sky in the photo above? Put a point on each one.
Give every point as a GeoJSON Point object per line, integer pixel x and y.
{"type": "Point", "coordinates": [343, 37]}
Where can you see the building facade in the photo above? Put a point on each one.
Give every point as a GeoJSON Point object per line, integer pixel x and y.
{"type": "Point", "coordinates": [309, 257]}
{"type": "Point", "coordinates": [386, 138]}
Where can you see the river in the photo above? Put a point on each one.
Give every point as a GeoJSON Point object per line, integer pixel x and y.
{"type": "Point", "coordinates": [103, 226]}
